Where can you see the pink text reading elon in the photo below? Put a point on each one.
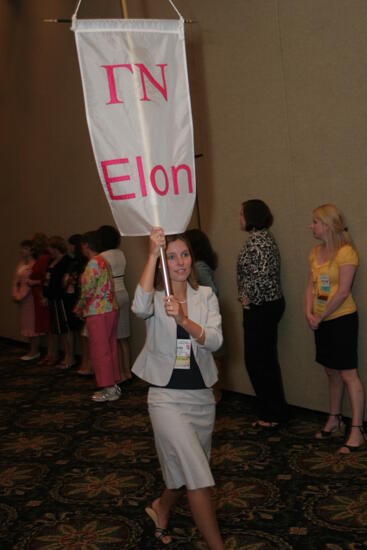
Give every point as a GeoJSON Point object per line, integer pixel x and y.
{"type": "Point", "coordinates": [144, 73]}
{"type": "Point", "coordinates": [158, 174]}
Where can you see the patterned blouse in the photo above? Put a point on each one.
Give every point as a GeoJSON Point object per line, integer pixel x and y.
{"type": "Point", "coordinates": [258, 269]}
{"type": "Point", "coordinates": [97, 292]}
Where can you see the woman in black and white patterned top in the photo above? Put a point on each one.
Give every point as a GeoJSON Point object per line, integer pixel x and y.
{"type": "Point", "coordinates": [259, 291]}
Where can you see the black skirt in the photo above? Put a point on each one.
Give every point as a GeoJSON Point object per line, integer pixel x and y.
{"type": "Point", "coordinates": [337, 342]}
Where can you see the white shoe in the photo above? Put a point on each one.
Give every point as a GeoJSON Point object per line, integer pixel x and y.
{"type": "Point", "coordinates": [30, 357]}
{"type": "Point", "coordinates": [118, 389]}
{"type": "Point", "coordinates": [107, 394]}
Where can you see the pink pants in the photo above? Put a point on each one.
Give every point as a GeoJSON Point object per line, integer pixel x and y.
{"type": "Point", "coordinates": [102, 336]}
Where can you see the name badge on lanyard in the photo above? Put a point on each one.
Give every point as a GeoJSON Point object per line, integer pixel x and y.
{"type": "Point", "coordinates": [183, 352]}
{"type": "Point", "coordinates": [324, 292]}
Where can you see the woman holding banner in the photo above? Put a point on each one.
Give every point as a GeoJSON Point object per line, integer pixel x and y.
{"type": "Point", "coordinates": [182, 332]}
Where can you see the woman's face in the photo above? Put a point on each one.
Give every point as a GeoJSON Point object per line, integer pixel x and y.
{"type": "Point", "coordinates": [25, 252]}
{"type": "Point", "coordinates": [242, 220]}
{"type": "Point", "coordinates": [319, 229]}
{"type": "Point", "coordinates": [178, 260]}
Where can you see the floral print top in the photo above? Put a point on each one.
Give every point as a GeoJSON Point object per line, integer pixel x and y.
{"type": "Point", "coordinates": [97, 291]}
{"type": "Point", "coordinates": [258, 269]}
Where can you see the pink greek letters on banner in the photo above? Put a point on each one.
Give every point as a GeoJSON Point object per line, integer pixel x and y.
{"type": "Point", "coordinates": [138, 109]}
{"type": "Point", "coordinates": [143, 73]}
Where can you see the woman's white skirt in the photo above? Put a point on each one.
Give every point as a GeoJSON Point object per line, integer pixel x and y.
{"type": "Point", "coordinates": [183, 422]}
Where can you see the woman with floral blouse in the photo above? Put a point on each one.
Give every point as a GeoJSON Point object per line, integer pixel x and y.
{"type": "Point", "coordinates": [259, 291]}
{"type": "Point", "coordinates": [98, 305]}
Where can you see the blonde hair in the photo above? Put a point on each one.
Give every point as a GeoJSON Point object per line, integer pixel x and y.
{"type": "Point", "coordinates": [339, 236]}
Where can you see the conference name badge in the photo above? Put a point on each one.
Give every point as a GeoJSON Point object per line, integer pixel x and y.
{"type": "Point", "coordinates": [324, 292]}
{"type": "Point", "coordinates": [183, 352]}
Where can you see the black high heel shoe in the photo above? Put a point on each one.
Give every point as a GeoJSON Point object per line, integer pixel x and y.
{"type": "Point", "coordinates": [160, 533]}
{"type": "Point", "coordinates": [337, 430]}
{"type": "Point", "coordinates": [354, 448]}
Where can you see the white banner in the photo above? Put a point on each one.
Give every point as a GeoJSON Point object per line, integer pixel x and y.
{"type": "Point", "coordinates": [138, 109]}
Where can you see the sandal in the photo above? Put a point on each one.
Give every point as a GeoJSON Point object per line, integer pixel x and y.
{"type": "Point", "coordinates": [65, 366]}
{"type": "Point", "coordinates": [159, 532]}
{"type": "Point", "coordinates": [85, 372]}
{"type": "Point", "coordinates": [339, 429]}
{"type": "Point", "coordinates": [354, 448]}
{"type": "Point", "coordinates": [263, 424]}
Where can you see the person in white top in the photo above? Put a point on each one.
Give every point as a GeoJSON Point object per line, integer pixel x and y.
{"type": "Point", "coordinates": [182, 332]}
{"type": "Point", "coordinates": [110, 242]}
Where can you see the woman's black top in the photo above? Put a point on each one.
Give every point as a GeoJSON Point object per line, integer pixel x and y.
{"type": "Point", "coordinates": [186, 379]}
{"type": "Point", "coordinates": [258, 269]}
{"type": "Point", "coordinates": [52, 287]}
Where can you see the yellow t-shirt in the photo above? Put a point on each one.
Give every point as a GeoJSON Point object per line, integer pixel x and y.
{"type": "Point", "coordinates": [325, 281]}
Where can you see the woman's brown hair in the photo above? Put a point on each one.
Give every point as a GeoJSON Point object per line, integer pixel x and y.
{"type": "Point", "coordinates": [58, 243]}
{"type": "Point", "coordinates": [39, 244]}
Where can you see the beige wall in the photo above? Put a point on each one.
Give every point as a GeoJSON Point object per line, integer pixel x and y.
{"type": "Point", "coordinates": [279, 103]}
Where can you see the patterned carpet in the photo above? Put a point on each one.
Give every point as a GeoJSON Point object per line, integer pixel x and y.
{"type": "Point", "coordinates": [77, 475]}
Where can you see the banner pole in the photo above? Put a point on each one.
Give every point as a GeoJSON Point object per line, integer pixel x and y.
{"type": "Point", "coordinates": [166, 281]}
{"type": "Point", "coordinates": [124, 11]}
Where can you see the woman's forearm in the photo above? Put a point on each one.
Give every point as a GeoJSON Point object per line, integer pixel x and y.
{"type": "Point", "coordinates": [346, 275]}
{"type": "Point", "coordinates": [195, 330]}
{"type": "Point", "coordinates": [147, 277]}
{"type": "Point", "coordinates": [208, 334]}
{"type": "Point", "coordinates": [308, 302]}
{"type": "Point", "coordinates": [336, 301]}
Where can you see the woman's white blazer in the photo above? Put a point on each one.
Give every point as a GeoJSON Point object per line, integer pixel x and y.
{"type": "Point", "coordinates": [157, 359]}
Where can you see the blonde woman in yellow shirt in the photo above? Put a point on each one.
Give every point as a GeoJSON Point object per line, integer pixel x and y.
{"type": "Point", "coordinates": [332, 314]}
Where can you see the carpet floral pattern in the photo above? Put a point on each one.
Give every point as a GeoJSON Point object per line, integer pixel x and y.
{"type": "Point", "coordinates": [77, 475]}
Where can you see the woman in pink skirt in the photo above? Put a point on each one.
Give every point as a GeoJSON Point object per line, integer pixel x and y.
{"type": "Point", "coordinates": [22, 294]}
{"type": "Point", "coordinates": [98, 305]}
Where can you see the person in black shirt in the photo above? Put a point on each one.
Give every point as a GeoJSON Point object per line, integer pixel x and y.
{"type": "Point", "coordinates": [54, 293]}
{"type": "Point", "coordinates": [260, 294]}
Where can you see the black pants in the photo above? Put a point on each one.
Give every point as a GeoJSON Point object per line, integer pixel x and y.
{"type": "Point", "coordinates": [260, 324]}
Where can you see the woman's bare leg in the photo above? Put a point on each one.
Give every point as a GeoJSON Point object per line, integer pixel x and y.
{"type": "Point", "coordinates": [86, 366]}
{"type": "Point", "coordinates": [356, 399]}
{"type": "Point", "coordinates": [33, 345]}
{"type": "Point", "coordinates": [124, 355]}
{"type": "Point", "coordinates": [52, 351]}
{"type": "Point", "coordinates": [202, 509]}
{"type": "Point", "coordinates": [336, 390]}
{"type": "Point", "coordinates": [68, 343]}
